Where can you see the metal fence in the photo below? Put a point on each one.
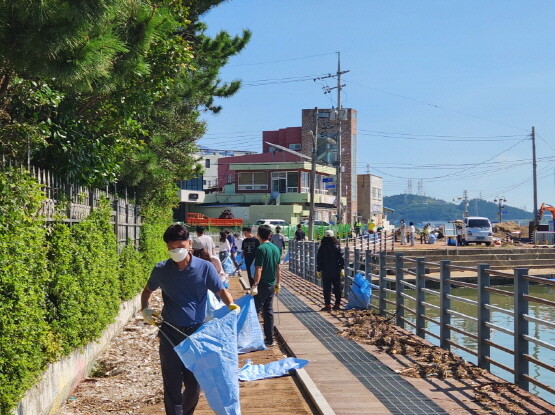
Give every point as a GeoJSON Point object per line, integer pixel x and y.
{"type": "Point", "coordinates": [71, 203]}
{"type": "Point", "coordinates": [397, 281]}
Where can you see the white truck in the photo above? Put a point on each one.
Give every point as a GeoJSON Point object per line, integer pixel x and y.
{"type": "Point", "coordinates": [478, 230]}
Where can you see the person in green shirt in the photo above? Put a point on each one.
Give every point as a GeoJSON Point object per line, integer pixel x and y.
{"type": "Point", "coordinates": [266, 280]}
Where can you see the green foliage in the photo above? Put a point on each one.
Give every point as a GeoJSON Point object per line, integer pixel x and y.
{"type": "Point", "coordinates": [24, 336]}
{"type": "Point", "coordinates": [60, 285]}
{"type": "Point", "coordinates": [426, 209]}
{"type": "Point", "coordinates": [111, 90]}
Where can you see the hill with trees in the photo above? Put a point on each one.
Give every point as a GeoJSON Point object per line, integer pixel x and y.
{"type": "Point", "coordinates": [428, 209]}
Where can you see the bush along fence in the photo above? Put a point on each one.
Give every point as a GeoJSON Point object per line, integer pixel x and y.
{"type": "Point", "coordinates": [401, 291]}
{"type": "Point", "coordinates": [61, 280]}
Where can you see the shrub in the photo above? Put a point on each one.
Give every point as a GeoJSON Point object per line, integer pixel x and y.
{"type": "Point", "coordinates": [60, 284]}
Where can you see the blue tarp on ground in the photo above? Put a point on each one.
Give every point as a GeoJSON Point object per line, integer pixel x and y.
{"type": "Point", "coordinates": [211, 354]}
{"type": "Point", "coordinates": [270, 370]}
{"type": "Point", "coordinates": [249, 333]}
{"type": "Point", "coordinates": [359, 296]}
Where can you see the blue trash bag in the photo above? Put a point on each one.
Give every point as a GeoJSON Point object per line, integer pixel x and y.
{"type": "Point", "coordinates": [213, 303]}
{"type": "Point", "coordinates": [286, 259]}
{"type": "Point", "coordinates": [253, 269]}
{"type": "Point", "coordinates": [240, 260]}
{"type": "Point", "coordinates": [228, 266]}
{"type": "Point", "coordinates": [432, 238]}
{"type": "Point", "coordinates": [249, 333]}
{"type": "Point", "coordinates": [360, 294]}
{"type": "Point", "coordinates": [211, 354]}
{"type": "Point", "coordinates": [270, 370]}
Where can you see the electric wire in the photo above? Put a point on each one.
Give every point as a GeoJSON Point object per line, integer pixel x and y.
{"type": "Point", "coordinates": [438, 106]}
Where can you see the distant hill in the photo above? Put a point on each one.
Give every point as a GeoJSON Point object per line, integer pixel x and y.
{"type": "Point", "coordinates": [428, 209]}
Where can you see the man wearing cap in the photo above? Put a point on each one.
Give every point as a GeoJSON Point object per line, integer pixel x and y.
{"type": "Point", "coordinates": [329, 267]}
{"type": "Point", "coordinates": [184, 280]}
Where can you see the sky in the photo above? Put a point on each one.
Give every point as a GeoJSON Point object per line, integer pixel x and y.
{"type": "Point", "coordinates": [447, 92]}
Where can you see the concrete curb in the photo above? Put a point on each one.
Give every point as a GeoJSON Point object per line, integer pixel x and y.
{"type": "Point", "coordinates": [316, 397]}
{"type": "Point", "coordinates": [61, 377]}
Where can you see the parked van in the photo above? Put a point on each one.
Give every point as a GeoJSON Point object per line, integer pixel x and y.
{"type": "Point", "coordinates": [271, 222]}
{"type": "Point", "coordinates": [477, 230]}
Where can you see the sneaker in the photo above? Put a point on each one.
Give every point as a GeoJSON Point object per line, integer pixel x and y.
{"type": "Point", "coordinates": [337, 307]}
{"type": "Point", "coordinates": [327, 307]}
{"type": "Point", "coordinates": [270, 344]}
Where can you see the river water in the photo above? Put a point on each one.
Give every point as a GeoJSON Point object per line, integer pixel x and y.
{"type": "Point", "coordinates": [544, 333]}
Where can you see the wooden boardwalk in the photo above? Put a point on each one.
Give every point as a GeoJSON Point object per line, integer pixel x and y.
{"type": "Point", "coordinates": [359, 379]}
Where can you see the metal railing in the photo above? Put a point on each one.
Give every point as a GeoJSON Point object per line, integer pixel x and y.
{"type": "Point", "coordinates": [397, 281]}
{"type": "Point", "coordinates": [71, 203]}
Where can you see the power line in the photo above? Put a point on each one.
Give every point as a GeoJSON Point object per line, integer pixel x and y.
{"type": "Point", "coordinates": [439, 106]}
{"type": "Point", "coordinates": [282, 60]}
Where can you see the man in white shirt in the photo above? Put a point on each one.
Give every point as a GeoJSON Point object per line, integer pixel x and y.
{"type": "Point", "coordinates": [203, 241]}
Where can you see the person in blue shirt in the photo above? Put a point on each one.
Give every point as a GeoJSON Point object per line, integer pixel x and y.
{"type": "Point", "coordinates": [184, 281]}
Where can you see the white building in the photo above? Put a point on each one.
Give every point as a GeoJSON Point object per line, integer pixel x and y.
{"type": "Point", "coordinates": [209, 160]}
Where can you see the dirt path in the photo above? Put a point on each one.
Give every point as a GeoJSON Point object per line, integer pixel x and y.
{"type": "Point", "coordinates": [127, 378]}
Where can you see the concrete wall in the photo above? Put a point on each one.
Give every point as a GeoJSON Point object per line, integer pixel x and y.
{"type": "Point", "coordinates": [61, 377]}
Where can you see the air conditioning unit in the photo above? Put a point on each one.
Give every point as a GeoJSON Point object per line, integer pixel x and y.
{"type": "Point", "coordinates": [191, 196]}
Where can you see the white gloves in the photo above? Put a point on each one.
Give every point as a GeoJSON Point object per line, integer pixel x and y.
{"type": "Point", "coordinates": [254, 290]}
{"type": "Point", "coordinates": [343, 273]}
{"type": "Point", "coordinates": [147, 316]}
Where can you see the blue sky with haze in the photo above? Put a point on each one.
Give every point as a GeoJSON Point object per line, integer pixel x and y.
{"type": "Point", "coordinates": [446, 91]}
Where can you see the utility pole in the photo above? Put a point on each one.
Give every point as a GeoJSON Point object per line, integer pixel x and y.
{"type": "Point", "coordinates": [500, 203]}
{"type": "Point", "coordinates": [535, 178]}
{"type": "Point", "coordinates": [465, 198]}
{"type": "Point", "coordinates": [314, 135]}
{"type": "Point", "coordinates": [338, 181]}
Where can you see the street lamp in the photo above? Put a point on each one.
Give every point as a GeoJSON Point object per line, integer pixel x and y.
{"type": "Point", "coordinates": [500, 203]}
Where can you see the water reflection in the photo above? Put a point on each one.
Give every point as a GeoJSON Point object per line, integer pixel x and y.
{"type": "Point", "coordinates": [541, 332]}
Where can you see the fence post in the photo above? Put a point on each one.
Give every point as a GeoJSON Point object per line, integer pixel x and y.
{"type": "Point", "coordinates": [347, 257]}
{"type": "Point", "coordinates": [444, 304]}
{"type": "Point", "coordinates": [483, 317]}
{"type": "Point", "coordinates": [382, 275]}
{"type": "Point", "coordinates": [521, 345]}
{"type": "Point", "coordinates": [420, 298]}
{"type": "Point", "coordinates": [116, 220]}
{"type": "Point", "coordinates": [356, 262]}
{"type": "Point", "coordinates": [399, 288]}
{"type": "Point", "coordinates": [314, 246]}
{"type": "Point", "coordinates": [301, 258]}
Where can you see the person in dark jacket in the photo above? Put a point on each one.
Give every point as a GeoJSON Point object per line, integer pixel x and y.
{"type": "Point", "coordinates": [329, 266]}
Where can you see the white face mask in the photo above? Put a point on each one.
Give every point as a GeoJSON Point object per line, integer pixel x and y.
{"type": "Point", "coordinates": [178, 254]}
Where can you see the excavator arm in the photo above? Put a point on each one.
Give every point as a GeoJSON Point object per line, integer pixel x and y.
{"type": "Point", "coordinates": [546, 208]}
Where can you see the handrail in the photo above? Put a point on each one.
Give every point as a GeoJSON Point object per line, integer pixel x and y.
{"type": "Point", "coordinates": [391, 292]}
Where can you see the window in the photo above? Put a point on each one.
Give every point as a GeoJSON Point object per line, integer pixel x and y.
{"type": "Point", "coordinates": [230, 178]}
{"type": "Point", "coordinates": [253, 181]}
{"type": "Point", "coordinates": [305, 182]}
{"type": "Point", "coordinates": [295, 146]}
{"type": "Point", "coordinates": [323, 114]}
{"type": "Point", "coordinates": [479, 223]}
{"type": "Point", "coordinates": [292, 181]}
{"type": "Point", "coordinates": [207, 163]}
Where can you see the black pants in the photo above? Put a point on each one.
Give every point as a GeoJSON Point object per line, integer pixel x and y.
{"type": "Point", "coordinates": [327, 282]}
{"type": "Point", "coordinates": [248, 263]}
{"type": "Point", "coordinates": [175, 375]}
{"type": "Point", "coordinates": [263, 301]}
